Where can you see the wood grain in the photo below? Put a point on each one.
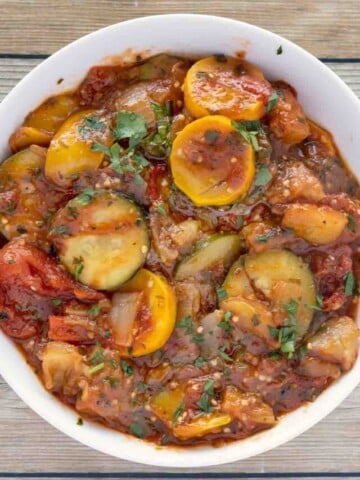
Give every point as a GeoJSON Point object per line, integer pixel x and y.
{"type": "Point", "coordinates": [327, 28]}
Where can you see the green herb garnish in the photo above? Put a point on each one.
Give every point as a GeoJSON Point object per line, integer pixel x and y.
{"type": "Point", "coordinates": [137, 429]}
{"type": "Point", "coordinates": [263, 176]}
{"type": "Point", "coordinates": [186, 322]}
{"type": "Point", "coordinates": [126, 368]}
{"type": "Point", "coordinates": [178, 411]}
{"type": "Point", "coordinates": [221, 293]}
{"type": "Point", "coordinates": [249, 130]}
{"type": "Point", "coordinates": [272, 102]}
{"type": "Point", "coordinates": [349, 283]}
{"type": "Point", "coordinates": [60, 230]}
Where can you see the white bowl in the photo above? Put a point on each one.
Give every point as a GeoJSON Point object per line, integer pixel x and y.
{"type": "Point", "coordinates": [325, 98]}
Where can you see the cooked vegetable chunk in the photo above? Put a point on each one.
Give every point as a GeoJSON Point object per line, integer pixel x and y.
{"type": "Point", "coordinates": [166, 404]}
{"type": "Point", "coordinates": [143, 314]}
{"type": "Point", "coordinates": [101, 238]}
{"type": "Point", "coordinates": [336, 342]}
{"type": "Point", "coordinates": [62, 367]}
{"type": "Point", "coordinates": [25, 206]}
{"type": "Point", "coordinates": [26, 136]}
{"type": "Point", "coordinates": [211, 162]}
{"type": "Point", "coordinates": [51, 114]}
{"type": "Point", "coordinates": [251, 316]}
{"type": "Point", "coordinates": [287, 118]}
{"type": "Point", "coordinates": [226, 86]}
{"type": "Point", "coordinates": [217, 251]}
{"type": "Point", "coordinates": [280, 276]}
{"type": "Point", "coordinates": [318, 225]}
{"type": "Point", "coordinates": [248, 408]}
{"type": "Point", "coordinates": [70, 151]}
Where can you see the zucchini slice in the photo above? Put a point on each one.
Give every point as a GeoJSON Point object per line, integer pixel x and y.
{"type": "Point", "coordinates": [281, 277]}
{"type": "Point", "coordinates": [143, 314]}
{"type": "Point", "coordinates": [217, 250]}
{"type": "Point", "coordinates": [101, 238]}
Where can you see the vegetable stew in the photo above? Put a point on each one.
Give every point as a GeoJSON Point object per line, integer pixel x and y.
{"type": "Point", "coordinates": [180, 249]}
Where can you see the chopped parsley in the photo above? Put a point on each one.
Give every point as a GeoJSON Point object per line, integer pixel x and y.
{"type": "Point", "coordinates": [86, 196]}
{"type": "Point", "coordinates": [80, 422]}
{"type": "Point", "coordinates": [349, 283]}
{"type": "Point", "coordinates": [351, 223]}
{"type": "Point", "coordinates": [56, 301]}
{"type": "Point", "coordinates": [225, 322]}
{"type": "Point", "coordinates": [279, 50]}
{"type": "Point", "coordinates": [211, 136]}
{"type": "Point", "coordinates": [263, 175]}
{"type": "Point", "coordinates": [198, 338]}
{"type": "Point", "coordinates": [221, 293]}
{"type": "Point", "coordinates": [224, 355]}
{"type": "Point", "coordinates": [209, 387]}
{"type": "Point", "coordinates": [60, 230]}
{"type": "Point", "coordinates": [11, 261]}
{"type": "Point", "coordinates": [286, 334]}
{"type": "Point", "coordinates": [78, 263]}
{"type": "Point", "coordinates": [94, 310]}
{"type": "Point", "coordinates": [137, 429]}
{"type": "Point", "coordinates": [126, 368]}
{"type": "Point", "coordinates": [158, 143]}
{"type": "Point", "coordinates": [249, 130]}
{"type": "Point", "coordinates": [90, 124]}
{"type": "Point", "coordinates": [160, 208]}
{"type": "Point", "coordinates": [204, 403]}
{"type": "Point", "coordinates": [130, 126]}
{"type": "Point", "coordinates": [178, 411]}
{"type": "Point", "coordinates": [199, 362]}
{"type": "Point", "coordinates": [272, 102]}
{"type": "Point", "coordinates": [186, 322]}
{"type": "Point", "coordinates": [318, 306]}
{"type": "Point", "coordinates": [264, 238]}
{"type": "Point", "coordinates": [97, 368]}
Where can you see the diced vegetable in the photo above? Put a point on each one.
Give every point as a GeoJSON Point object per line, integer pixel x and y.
{"type": "Point", "coordinates": [251, 316]}
{"type": "Point", "coordinates": [299, 182]}
{"type": "Point", "coordinates": [287, 119]}
{"type": "Point", "coordinates": [314, 367]}
{"type": "Point", "coordinates": [237, 283]}
{"type": "Point", "coordinates": [318, 225]}
{"type": "Point", "coordinates": [219, 250]}
{"type": "Point", "coordinates": [71, 328]}
{"type": "Point", "coordinates": [106, 243]}
{"type": "Point", "coordinates": [201, 425]}
{"type": "Point", "coordinates": [211, 162]}
{"type": "Point", "coordinates": [51, 114]}
{"type": "Point", "coordinates": [336, 342]}
{"type": "Point", "coordinates": [62, 367]}
{"type": "Point", "coordinates": [166, 404]}
{"type": "Point", "coordinates": [282, 276]}
{"type": "Point", "coordinates": [21, 204]}
{"type": "Point", "coordinates": [322, 136]}
{"type": "Point", "coordinates": [70, 151]}
{"type": "Point", "coordinates": [249, 408]}
{"type": "Point", "coordinates": [26, 136]}
{"type": "Point", "coordinates": [226, 86]}
{"type": "Point", "coordinates": [143, 314]}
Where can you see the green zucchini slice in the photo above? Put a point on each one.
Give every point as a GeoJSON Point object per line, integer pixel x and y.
{"type": "Point", "coordinates": [280, 276]}
{"type": "Point", "coordinates": [101, 238]}
{"type": "Point", "coordinates": [218, 249]}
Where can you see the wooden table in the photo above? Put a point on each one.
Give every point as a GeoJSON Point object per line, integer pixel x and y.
{"type": "Point", "coordinates": [32, 29]}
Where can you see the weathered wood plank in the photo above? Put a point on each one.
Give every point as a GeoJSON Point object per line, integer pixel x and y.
{"type": "Point", "coordinates": [29, 444]}
{"type": "Point", "coordinates": [326, 28]}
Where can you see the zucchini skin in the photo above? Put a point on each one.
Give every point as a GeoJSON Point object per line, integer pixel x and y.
{"type": "Point", "coordinates": [101, 238]}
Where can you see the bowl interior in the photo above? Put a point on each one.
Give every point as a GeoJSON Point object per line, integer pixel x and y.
{"type": "Point", "coordinates": [325, 98]}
